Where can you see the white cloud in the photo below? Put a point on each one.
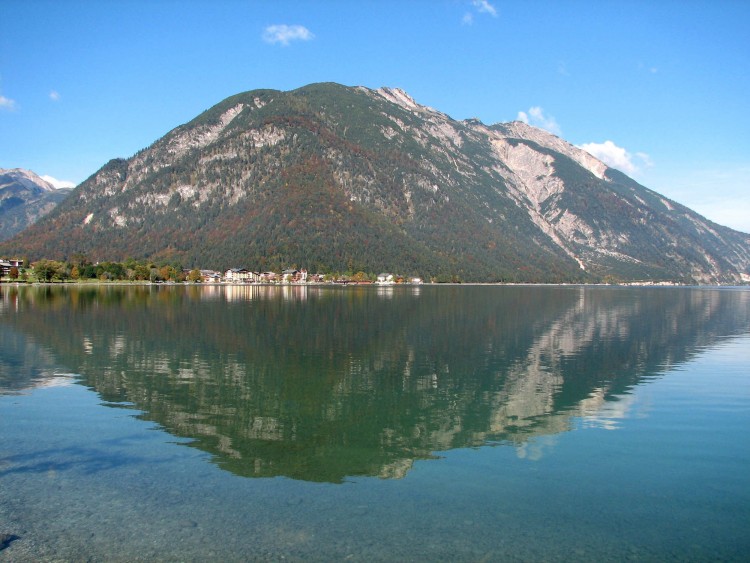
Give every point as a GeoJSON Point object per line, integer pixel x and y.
{"type": "Point", "coordinates": [484, 7]}
{"type": "Point", "coordinates": [617, 157]}
{"type": "Point", "coordinates": [285, 34]}
{"type": "Point", "coordinates": [7, 103]}
{"type": "Point", "coordinates": [481, 7]}
{"type": "Point", "coordinates": [645, 159]}
{"type": "Point", "coordinates": [54, 95]}
{"type": "Point", "coordinates": [536, 117]}
{"type": "Point", "coordinates": [58, 183]}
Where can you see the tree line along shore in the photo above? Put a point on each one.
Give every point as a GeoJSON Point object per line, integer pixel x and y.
{"type": "Point", "coordinates": [80, 269]}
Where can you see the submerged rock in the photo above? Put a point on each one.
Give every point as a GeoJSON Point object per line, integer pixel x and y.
{"type": "Point", "coordinates": [6, 540]}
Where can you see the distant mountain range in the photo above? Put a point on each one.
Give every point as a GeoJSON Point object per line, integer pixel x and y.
{"type": "Point", "coordinates": [24, 198]}
{"type": "Point", "coordinates": [336, 178]}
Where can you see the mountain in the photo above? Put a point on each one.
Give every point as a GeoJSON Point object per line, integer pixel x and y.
{"type": "Point", "coordinates": [24, 198]}
{"type": "Point", "coordinates": [331, 178]}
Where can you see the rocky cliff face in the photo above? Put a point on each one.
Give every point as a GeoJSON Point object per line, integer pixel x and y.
{"type": "Point", "coordinates": [629, 224]}
{"type": "Point", "coordinates": [337, 178]}
{"type": "Point", "coordinates": [24, 198]}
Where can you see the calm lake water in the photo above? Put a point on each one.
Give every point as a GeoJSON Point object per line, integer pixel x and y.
{"type": "Point", "coordinates": [374, 424]}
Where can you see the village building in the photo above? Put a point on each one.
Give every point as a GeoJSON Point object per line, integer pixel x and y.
{"type": "Point", "coordinates": [6, 265]}
{"type": "Point", "coordinates": [385, 279]}
{"type": "Point", "coordinates": [239, 275]}
{"type": "Point", "coordinates": [210, 276]}
{"type": "Point", "coordinates": [268, 277]}
{"type": "Point", "coordinates": [294, 276]}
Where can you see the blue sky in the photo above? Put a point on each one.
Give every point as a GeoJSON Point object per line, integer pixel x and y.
{"type": "Point", "coordinates": [660, 89]}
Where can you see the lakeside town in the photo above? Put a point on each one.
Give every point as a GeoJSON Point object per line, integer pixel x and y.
{"type": "Point", "coordinates": [242, 275]}
{"type": "Point", "coordinates": [79, 269]}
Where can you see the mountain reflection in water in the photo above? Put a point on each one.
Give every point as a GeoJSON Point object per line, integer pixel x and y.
{"type": "Point", "coordinates": [320, 383]}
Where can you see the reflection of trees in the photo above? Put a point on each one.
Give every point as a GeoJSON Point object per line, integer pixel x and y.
{"type": "Point", "coordinates": [24, 364]}
{"type": "Point", "coordinates": [321, 383]}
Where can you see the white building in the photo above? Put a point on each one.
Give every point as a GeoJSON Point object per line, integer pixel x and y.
{"type": "Point", "coordinates": [385, 279]}
{"type": "Point", "coordinates": [239, 275]}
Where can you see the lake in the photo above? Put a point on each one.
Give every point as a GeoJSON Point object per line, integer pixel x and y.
{"type": "Point", "coordinates": [424, 423]}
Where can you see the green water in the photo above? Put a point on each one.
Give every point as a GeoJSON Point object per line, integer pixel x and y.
{"type": "Point", "coordinates": [374, 424]}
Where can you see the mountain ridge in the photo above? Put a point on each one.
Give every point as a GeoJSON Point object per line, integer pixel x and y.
{"type": "Point", "coordinates": [343, 178]}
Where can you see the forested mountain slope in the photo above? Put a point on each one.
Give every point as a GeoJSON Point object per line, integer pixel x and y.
{"type": "Point", "coordinates": [336, 178]}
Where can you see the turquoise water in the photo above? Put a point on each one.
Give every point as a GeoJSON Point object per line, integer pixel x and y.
{"type": "Point", "coordinates": [370, 424]}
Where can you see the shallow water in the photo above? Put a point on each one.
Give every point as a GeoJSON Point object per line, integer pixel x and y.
{"type": "Point", "coordinates": [372, 424]}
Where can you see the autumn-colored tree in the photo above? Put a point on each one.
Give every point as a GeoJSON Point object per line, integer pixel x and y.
{"type": "Point", "coordinates": [13, 273]}
{"type": "Point", "coordinates": [194, 275]}
{"type": "Point", "coordinates": [140, 272]}
{"type": "Point", "coordinates": [45, 270]}
{"type": "Point", "coordinates": [79, 259]}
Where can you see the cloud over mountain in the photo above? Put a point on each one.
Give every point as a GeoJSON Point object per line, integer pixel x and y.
{"type": "Point", "coordinates": [58, 184]}
{"type": "Point", "coordinates": [617, 157]}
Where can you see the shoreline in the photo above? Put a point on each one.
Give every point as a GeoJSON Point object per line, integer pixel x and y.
{"type": "Point", "coordinates": [124, 283]}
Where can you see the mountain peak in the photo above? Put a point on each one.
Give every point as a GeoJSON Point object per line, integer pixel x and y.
{"type": "Point", "coordinates": [24, 198]}
{"type": "Point", "coordinates": [403, 99]}
{"type": "Point", "coordinates": [26, 178]}
{"type": "Point", "coordinates": [398, 97]}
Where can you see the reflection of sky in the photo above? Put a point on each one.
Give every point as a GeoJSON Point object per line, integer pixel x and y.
{"type": "Point", "coordinates": [44, 380]}
{"type": "Point", "coordinates": [606, 414]}
{"type": "Point", "coordinates": [536, 448]}
{"type": "Point", "coordinates": [718, 376]}
{"type": "Point", "coordinates": [596, 411]}
{"type": "Point", "coordinates": [57, 380]}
